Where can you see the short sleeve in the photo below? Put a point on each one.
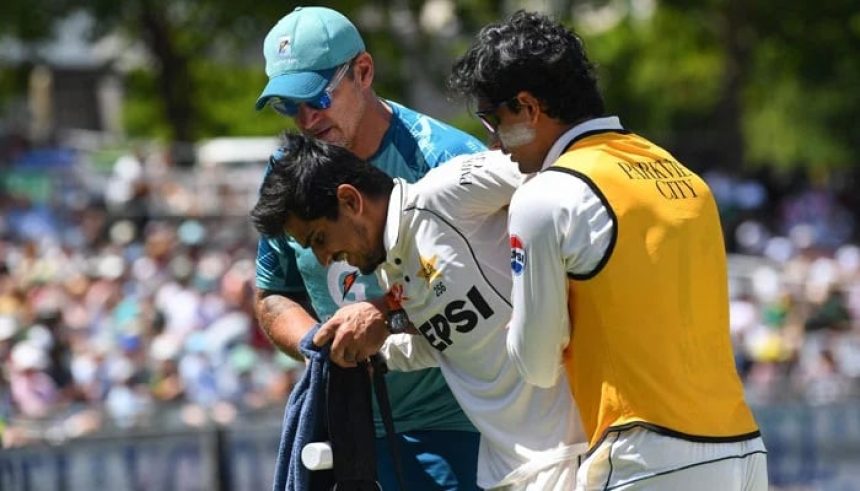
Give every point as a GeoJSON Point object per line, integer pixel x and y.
{"type": "Point", "coordinates": [276, 266]}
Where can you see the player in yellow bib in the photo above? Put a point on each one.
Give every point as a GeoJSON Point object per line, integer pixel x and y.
{"type": "Point", "coordinates": [619, 272]}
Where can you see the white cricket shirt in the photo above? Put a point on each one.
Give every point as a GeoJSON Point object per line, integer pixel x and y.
{"type": "Point", "coordinates": [449, 259]}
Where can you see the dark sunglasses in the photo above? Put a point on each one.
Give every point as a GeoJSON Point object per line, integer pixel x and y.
{"type": "Point", "coordinates": [490, 117]}
{"type": "Point", "coordinates": [289, 107]}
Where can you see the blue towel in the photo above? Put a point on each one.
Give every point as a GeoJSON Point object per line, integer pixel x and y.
{"type": "Point", "coordinates": [304, 418]}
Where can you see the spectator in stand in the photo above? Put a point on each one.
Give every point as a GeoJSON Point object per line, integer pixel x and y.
{"type": "Point", "coordinates": [34, 392]}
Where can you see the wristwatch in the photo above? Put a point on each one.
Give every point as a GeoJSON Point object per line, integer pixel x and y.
{"type": "Point", "coordinates": [398, 321]}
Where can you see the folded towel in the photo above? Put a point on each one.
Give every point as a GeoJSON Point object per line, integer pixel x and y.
{"type": "Point", "coordinates": [305, 422]}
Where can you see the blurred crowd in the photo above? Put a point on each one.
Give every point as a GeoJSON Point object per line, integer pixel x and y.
{"type": "Point", "coordinates": [116, 316]}
{"type": "Point", "coordinates": [126, 303]}
{"type": "Point", "coordinates": [795, 283]}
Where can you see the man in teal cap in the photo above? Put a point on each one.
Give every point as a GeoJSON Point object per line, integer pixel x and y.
{"type": "Point", "coordinates": [321, 76]}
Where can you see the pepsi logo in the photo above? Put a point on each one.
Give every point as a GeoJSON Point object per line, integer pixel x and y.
{"type": "Point", "coordinates": [518, 255]}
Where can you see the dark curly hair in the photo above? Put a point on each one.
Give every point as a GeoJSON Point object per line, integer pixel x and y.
{"type": "Point", "coordinates": [302, 181]}
{"type": "Point", "coordinates": [530, 52]}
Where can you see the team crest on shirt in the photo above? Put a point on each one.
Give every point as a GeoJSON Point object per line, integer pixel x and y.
{"type": "Point", "coordinates": [427, 271]}
{"type": "Point", "coordinates": [518, 255]}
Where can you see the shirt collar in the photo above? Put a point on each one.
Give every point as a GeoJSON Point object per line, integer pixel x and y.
{"type": "Point", "coordinates": [607, 123]}
{"type": "Point", "coordinates": [396, 203]}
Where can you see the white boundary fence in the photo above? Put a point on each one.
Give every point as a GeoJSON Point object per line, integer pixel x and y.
{"type": "Point", "coordinates": [810, 448]}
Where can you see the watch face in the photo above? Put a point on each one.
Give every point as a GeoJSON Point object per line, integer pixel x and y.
{"type": "Point", "coordinates": [398, 321]}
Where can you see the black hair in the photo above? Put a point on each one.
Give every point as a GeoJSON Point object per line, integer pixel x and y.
{"type": "Point", "coordinates": [530, 52]}
{"type": "Point", "coordinates": [302, 181]}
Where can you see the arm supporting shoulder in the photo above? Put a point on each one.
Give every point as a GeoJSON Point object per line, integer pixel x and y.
{"type": "Point", "coordinates": [539, 329]}
{"type": "Point", "coordinates": [285, 318]}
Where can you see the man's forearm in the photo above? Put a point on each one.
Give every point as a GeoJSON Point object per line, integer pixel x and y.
{"type": "Point", "coordinates": [284, 321]}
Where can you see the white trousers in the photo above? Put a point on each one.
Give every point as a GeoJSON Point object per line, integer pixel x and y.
{"type": "Point", "coordinates": [551, 471]}
{"type": "Point", "coordinates": [640, 459]}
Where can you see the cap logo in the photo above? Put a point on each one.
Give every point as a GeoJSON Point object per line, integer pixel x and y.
{"type": "Point", "coordinates": [284, 45]}
{"type": "Point", "coordinates": [301, 50]}
{"type": "Point", "coordinates": [518, 255]}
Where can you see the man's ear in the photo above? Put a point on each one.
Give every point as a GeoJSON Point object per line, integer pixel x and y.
{"type": "Point", "coordinates": [530, 104]}
{"type": "Point", "coordinates": [350, 199]}
{"type": "Point", "coordinates": [363, 70]}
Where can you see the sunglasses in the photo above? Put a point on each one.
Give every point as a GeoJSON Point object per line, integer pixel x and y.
{"type": "Point", "coordinates": [490, 117]}
{"type": "Point", "coordinates": [289, 107]}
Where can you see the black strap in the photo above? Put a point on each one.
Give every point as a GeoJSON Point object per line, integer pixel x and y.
{"type": "Point", "coordinates": [350, 424]}
{"type": "Point", "coordinates": [379, 371]}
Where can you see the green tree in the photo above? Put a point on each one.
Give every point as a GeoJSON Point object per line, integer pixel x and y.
{"type": "Point", "coordinates": [733, 83]}
{"type": "Point", "coordinates": [720, 82]}
{"type": "Point", "coordinates": [32, 20]}
{"type": "Point", "coordinates": [801, 98]}
{"type": "Point", "coordinates": [183, 36]}
{"type": "Point", "coordinates": [667, 73]}
{"type": "Point", "coordinates": [28, 23]}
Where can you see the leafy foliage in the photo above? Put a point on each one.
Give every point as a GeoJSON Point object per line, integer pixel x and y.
{"type": "Point", "coordinates": [723, 82]}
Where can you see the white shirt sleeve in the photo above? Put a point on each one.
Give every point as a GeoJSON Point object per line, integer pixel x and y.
{"type": "Point", "coordinates": [485, 182]}
{"type": "Point", "coordinates": [407, 352]}
{"type": "Point", "coordinates": [563, 227]}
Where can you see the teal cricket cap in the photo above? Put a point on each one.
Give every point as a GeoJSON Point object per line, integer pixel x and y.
{"type": "Point", "coordinates": [303, 50]}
